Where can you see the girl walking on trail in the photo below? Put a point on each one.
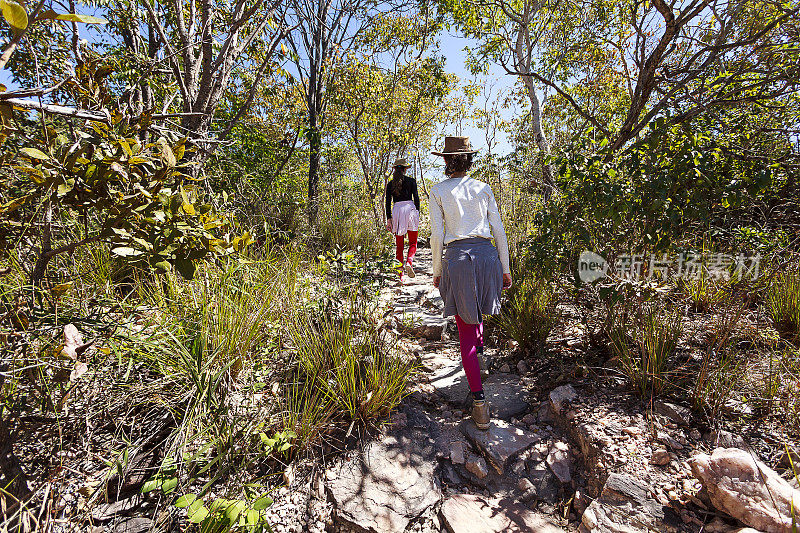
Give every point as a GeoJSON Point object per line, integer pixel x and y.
{"type": "Point", "coordinates": [403, 217]}
{"type": "Point", "coordinates": [473, 272]}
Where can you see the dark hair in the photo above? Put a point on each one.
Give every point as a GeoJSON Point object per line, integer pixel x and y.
{"type": "Point", "coordinates": [397, 180]}
{"type": "Point", "coordinates": [457, 163]}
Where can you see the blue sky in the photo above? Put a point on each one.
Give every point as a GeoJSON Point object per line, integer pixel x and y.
{"type": "Point", "coordinates": [452, 47]}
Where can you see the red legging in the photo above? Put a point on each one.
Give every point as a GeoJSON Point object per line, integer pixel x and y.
{"type": "Point", "coordinates": [412, 246]}
{"type": "Point", "coordinates": [470, 336]}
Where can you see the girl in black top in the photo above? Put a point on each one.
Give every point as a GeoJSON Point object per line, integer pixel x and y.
{"type": "Point", "coordinates": [403, 216]}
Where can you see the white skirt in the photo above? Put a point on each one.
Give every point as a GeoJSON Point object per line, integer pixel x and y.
{"type": "Point", "coordinates": [405, 217]}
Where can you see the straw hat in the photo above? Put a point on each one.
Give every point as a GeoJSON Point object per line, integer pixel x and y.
{"type": "Point", "coordinates": [401, 162]}
{"type": "Point", "coordinates": [456, 145]}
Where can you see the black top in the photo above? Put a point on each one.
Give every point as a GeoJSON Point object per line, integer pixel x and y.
{"type": "Point", "coordinates": [407, 192]}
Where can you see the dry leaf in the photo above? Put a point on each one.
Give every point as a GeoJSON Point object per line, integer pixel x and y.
{"type": "Point", "coordinates": [72, 340]}
{"type": "Point", "coordinates": [80, 369]}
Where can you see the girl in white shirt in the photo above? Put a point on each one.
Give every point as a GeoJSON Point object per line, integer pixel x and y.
{"type": "Point", "coordinates": [473, 272]}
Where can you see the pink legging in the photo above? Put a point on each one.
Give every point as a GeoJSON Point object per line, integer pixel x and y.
{"type": "Point", "coordinates": [470, 336]}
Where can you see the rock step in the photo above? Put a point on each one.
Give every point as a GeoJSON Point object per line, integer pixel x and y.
{"type": "Point", "coordinates": [500, 442]}
{"type": "Point", "coordinates": [467, 513]}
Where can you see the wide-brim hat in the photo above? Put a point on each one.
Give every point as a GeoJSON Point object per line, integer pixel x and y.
{"type": "Point", "coordinates": [401, 162]}
{"type": "Point", "coordinates": [455, 146]}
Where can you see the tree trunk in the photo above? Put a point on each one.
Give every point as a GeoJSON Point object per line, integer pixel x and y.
{"type": "Point", "coordinates": [314, 156]}
{"type": "Point", "coordinates": [44, 254]}
{"type": "Point", "coordinates": [540, 138]}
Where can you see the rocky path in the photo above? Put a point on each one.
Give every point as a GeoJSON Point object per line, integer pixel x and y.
{"type": "Point", "coordinates": [433, 470]}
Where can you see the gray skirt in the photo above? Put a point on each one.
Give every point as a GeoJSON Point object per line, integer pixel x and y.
{"type": "Point", "coordinates": [472, 279]}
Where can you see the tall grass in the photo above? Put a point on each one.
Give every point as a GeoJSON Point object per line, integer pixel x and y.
{"type": "Point", "coordinates": [783, 303]}
{"type": "Point", "coordinates": [349, 360]}
{"type": "Point", "coordinates": [721, 372]}
{"type": "Point", "coordinates": [529, 315]}
{"type": "Point", "coordinates": [702, 291]}
{"type": "Point", "coordinates": [644, 342]}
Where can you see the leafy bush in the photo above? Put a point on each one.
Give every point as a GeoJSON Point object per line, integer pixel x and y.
{"type": "Point", "coordinates": [783, 302]}
{"type": "Point", "coordinates": [529, 315]}
{"type": "Point", "coordinates": [644, 342]}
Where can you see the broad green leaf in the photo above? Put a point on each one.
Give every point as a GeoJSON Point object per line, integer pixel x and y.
{"type": "Point", "coordinates": [66, 187]}
{"type": "Point", "coordinates": [34, 153]}
{"type": "Point", "coordinates": [167, 155]}
{"type": "Point", "coordinates": [14, 14]}
{"type": "Point", "coordinates": [251, 517]}
{"type": "Point", "coordinates": [186, 500]}
{"type": "Point", "coordinates": [262, 503]}
{"type": "Point", "coordinates": [169, 485]}
{"type": "Point", "coordinates": [86, 19]}
{"type": "Point", "coordinates": [125, 251]}
{"type": "Point", "coordinates": [198, 515]}
{"type": "Point", "coordinates": [151, 485]}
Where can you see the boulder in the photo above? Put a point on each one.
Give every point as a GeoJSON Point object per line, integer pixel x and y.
{"type": "Point", "coordinates": [625, 506]}
{"type": "Point", "coordinates": [468, 513]}
{"type": "Point", "coordinates": [747, 489]}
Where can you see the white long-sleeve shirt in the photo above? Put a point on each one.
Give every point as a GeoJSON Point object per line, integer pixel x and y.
{"type": "Point", "coordinates": [461, 208]}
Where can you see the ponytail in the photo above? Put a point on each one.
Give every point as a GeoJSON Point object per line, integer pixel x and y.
{"type": "Point", "coordinates": [396, 183]}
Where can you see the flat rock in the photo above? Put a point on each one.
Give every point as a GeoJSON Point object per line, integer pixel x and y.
{"type": "Point", "coordinates": [450, 382]}
{"type": "Point", "coordinates": [558, 459]}
{"type": "Point", "coordinates": [506, 395]}
{"type": "Point", "coordinates": [468, 513]}
{"type": "Point", "coordinates": [747, 489]}
{"type": "Point", "coordinates": [133, 525]}
{"type": "Point", "coordinates": [387, 485]}
{"type": "Point", "coordinates": [500, 442]}
{"type": "Point", "coordinates": [107, 511]}
{"type": "Point", "coordinates": [677, 413]}
{"type": "Point", "coordinates": [561, 396]}
{"type": "Point", "coordinates": [477, 466]}
{"type": "Point", "coordinates": [457, 452]}
{"type": "Point", "coordinates": [417, 322]}
{"type": "Point", "coordinates": [726, 439]}
{"type": "Point", "coordinates": [625, 506]}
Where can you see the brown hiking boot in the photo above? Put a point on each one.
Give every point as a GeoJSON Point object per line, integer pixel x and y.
{"type": "Point", "coordinates": [409, 270]}
{"type": "Point", "coordinates": [480, 414]}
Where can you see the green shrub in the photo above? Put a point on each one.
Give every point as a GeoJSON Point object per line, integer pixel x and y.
{"type": "Point", "coordinates": [783, 302]}
{"type": "Point", "coordinates": [529, 315]}
{"type": "Point", "coordinates": [644, 342]}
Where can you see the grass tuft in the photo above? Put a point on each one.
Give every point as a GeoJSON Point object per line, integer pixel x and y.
{"type": "Point", "coordinates": [783, 302]}
{"type": "Point", "coordinates": [644, 343]}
